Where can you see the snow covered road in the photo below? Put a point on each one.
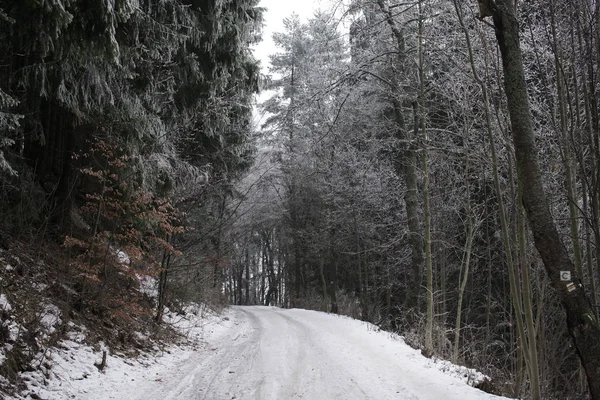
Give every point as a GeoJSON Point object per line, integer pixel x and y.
{"type": "Point", "coordinates": [277, 354]}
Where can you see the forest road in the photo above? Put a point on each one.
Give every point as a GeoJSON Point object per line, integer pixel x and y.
{"type": "Point", "coordinates": [277, 354]}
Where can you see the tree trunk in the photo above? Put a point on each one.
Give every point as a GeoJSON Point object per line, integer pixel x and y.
{"type": "Point", "coordinates": [333, 284]}
{"type": "Point", "coordinates": [465, 266]}
{"type": "Point", "coordinates": [323, 283]}
{"type": "Point", "coordinates": [362, 290]}
{"type": "Point", "coordinates": [406, 165]}
{"type": "Point", "coordinates": [426, 208]}
{"type": "Point", "coordinates": [271, 277]}
{"type": "Point", "coordinates": [262, 276]}
{"type": "Point", "coordinates": [525, 281]}
{"type": "Point", "coordinates": [581, 319]}
{"type": "Point", "coordinates": [247, 281]}
{"type": "Point", "coordinates": [217, 243]}
{"type": "Point", "coordinates": [162, 285]}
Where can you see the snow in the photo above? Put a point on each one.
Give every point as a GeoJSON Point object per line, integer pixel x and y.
{"type": "Point", "coordinates": [69, 371]}
{"type": "Point", "coordinates": [255, 353]}
{"type": "Point", "coordinates": [50, 318]}
{"type": "Point", "coordinates": [5, 322]}
{"type": "Point", "coordinates": [4, 304]}
{"type": "Point", "coordinates": [148, 285]}
{"type": "Point", "coordinates": [123, 257]}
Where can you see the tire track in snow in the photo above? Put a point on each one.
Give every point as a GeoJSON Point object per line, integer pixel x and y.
{"type": "Point", "coordinates": [321, 375]}
{"type": "Point", "coordinates": [276, 354]}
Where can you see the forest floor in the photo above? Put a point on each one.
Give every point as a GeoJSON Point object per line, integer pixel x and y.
{"type": "Point", "coordinates": [259, 353]}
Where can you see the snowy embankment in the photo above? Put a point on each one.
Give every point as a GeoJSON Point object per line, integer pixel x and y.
{"type": "Point", "coordinates": [70, 370]}
{"type": "Point", "coordinates": [258, 353]}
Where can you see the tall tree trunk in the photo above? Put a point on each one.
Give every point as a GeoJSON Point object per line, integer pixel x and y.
{"type": "Point", "coordinates": [247, 280]}
{"type": "Point", "coordinates": [426, 208]}
{"type": "Point", "coordinates": [463, 284]}
{"type": "Point", "coordinates": [362, 290]}
{"type": "Point", "coordinates": [239, 289]}
{"type": "Point", "coordinates": [162, 284]}
{"type": "Point", "coordinates": [280, 281]}
{"type": "Point", "coordinates": [515, 285]}
{"type": "Point", "coordinates": [333, 283]}
{"type": "Point", "coordinates": [525, 282]}
{"type": "Point", "coordinates": [466, 260]}
{"type": "Point", "coordinates": [581, 319]}
{"type": "Point", "coordinates": [332, 271]}
{"type": "Point", "coordinates": [323, 282]}
{"type": "Point", "coordinates": [406, 165]}
{"type": "Point", "coordinates": [262, 275]}
{"type": "Point", "coordinates": [271, 277]}
{"type": "Point", "coordinates": [217, 243]}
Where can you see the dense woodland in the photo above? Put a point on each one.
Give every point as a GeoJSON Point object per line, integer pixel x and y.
{"type": "Point", "coordinates": [123, 127]}
{"type": "Point", "coordinates": [429, 166]}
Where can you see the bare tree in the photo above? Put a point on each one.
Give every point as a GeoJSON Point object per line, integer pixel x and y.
{"type": "Point", "coordinates": [581, 318]}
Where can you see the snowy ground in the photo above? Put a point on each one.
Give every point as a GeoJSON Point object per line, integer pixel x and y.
{"type": "Point", "coordinates": [261, 353]}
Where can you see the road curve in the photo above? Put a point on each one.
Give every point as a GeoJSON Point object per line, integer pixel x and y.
{"type": "Point", "coordinates": [276, 354]}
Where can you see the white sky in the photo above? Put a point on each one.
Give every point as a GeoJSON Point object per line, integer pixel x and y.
{"type": "Point", "coordinates": [277, 10]}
